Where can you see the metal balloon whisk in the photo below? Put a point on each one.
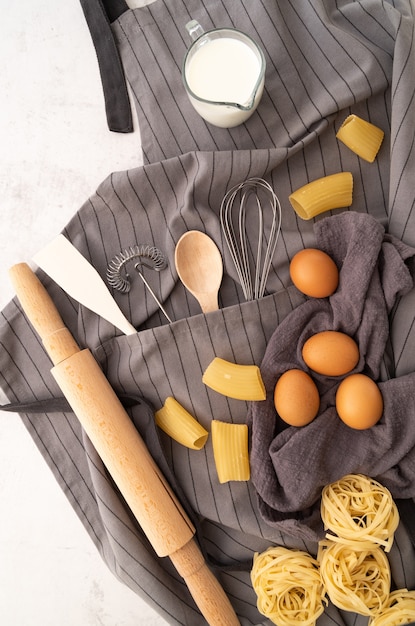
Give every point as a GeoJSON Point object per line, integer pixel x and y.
{"type": "Point", "coordinates": [251, 248]}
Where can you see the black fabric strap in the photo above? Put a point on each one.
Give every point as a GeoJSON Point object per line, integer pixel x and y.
{"type": "Point", "coordinates": [98, 15]}
{"type": "Point", "coordinates": [114, 8]}
{"type": "Point", "coordinates": [50, 405]}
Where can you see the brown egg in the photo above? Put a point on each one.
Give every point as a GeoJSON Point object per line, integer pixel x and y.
{"type": "Point", "coordinates": [330, 353]}
{"type": "Point", "coordinates": [314, 273]}
{"type": "Point", "coordinates": [359, 402]}
{"type": "Point", "coordinates": [296, 398]}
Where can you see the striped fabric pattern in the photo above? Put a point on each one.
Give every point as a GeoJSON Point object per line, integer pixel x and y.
{"type": "Point", "coordinates": [325, 60]}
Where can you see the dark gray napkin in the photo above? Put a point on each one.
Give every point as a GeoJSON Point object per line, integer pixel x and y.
{"type": "Point", "coordinates": [291, 465]}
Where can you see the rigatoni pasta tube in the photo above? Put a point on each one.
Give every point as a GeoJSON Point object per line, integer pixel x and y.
{"type": "Point", "coordinates": [323, 194]}
{"type": "Point", "coordinates": [180, 425]}
{"type": "Point", "coordinates": [360, 136]}
{"type": "Point", "coordinates": [230, 451]}
{"type": "Point", "coordinates": [242, 382]}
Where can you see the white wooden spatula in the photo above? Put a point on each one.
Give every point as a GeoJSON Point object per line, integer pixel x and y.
{"type": "Point", "coordinates": [75, 275]}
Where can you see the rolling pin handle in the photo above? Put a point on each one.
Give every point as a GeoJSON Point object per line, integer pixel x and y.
{"type": "Point", "coordinates": [42, 313]}
{"type": "Point", "coordinates": [203, 585]}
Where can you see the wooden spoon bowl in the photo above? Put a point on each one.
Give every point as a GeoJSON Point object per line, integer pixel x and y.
{"type": "Point", "coordinates": [200, 268]}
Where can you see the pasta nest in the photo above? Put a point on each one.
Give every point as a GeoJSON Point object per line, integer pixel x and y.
{"type": "Point", "coordinates": [399, 610]}
{"type": "Point", "coordinates": [357, 508]}
{"type": "Point", "coordinates": [288, 586]}
{"type": "Point", "coordinates": [356, 580]}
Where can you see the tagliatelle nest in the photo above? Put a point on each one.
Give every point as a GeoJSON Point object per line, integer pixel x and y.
{"type": "Point", "coordinates": [288, 586]}
{"type": "Point", "coordinates": [399, 610]}
{"type": "Point", "coordinates": [357, 508]}
{"type": "Point", "coordinates": [356, 580]}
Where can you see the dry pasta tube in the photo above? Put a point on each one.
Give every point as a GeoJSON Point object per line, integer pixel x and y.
{"type": "Point", "coordinates": [357, 508]}
{"type": "Point", "coordinates": [230, 451]}
{"type": "Point", "coordinates": [399, 609]}
{"type": "Point", "coordinates": [362, 137]}
{"type": "Point", "coordinates": [355, 580]}
{"type": "Point", "coordinates": [288, 586]}
{"type": "Point", "coordinates": [180, 425]}
{"type": "Point", "coordinates": [323, 194]}
{"type": "Point", "coordinates": [243, 382]}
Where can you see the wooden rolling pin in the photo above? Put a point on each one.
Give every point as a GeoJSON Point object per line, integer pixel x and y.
{"type": "Point", "coordinates": [122, 450]}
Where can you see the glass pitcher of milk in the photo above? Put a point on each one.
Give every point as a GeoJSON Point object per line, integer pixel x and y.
{"type": "Point", "coordinates": [223, 73]}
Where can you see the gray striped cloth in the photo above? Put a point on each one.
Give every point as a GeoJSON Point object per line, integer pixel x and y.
{"type": "Point", "coordinates": [325, 60]}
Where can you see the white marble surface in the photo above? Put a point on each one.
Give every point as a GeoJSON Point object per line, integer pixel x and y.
{"type": "Point", "coordinates": [54, 150]}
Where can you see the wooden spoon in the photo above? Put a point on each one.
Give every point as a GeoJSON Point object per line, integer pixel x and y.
{"type": "Point", "coordinates": [199, 266]}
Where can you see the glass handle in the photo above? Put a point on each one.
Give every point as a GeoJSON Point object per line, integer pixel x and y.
{"type": "Point", "coordinates": [194, 29]}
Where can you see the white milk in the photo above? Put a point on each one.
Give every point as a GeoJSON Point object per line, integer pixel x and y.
{"type": "Point", "coordinates": [224, 70]}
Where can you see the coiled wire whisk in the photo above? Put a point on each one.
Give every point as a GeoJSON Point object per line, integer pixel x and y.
{"type": "Point", "coordinates": [118, 277]}
{"type": "Point", "coordinates": [252, 261]}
